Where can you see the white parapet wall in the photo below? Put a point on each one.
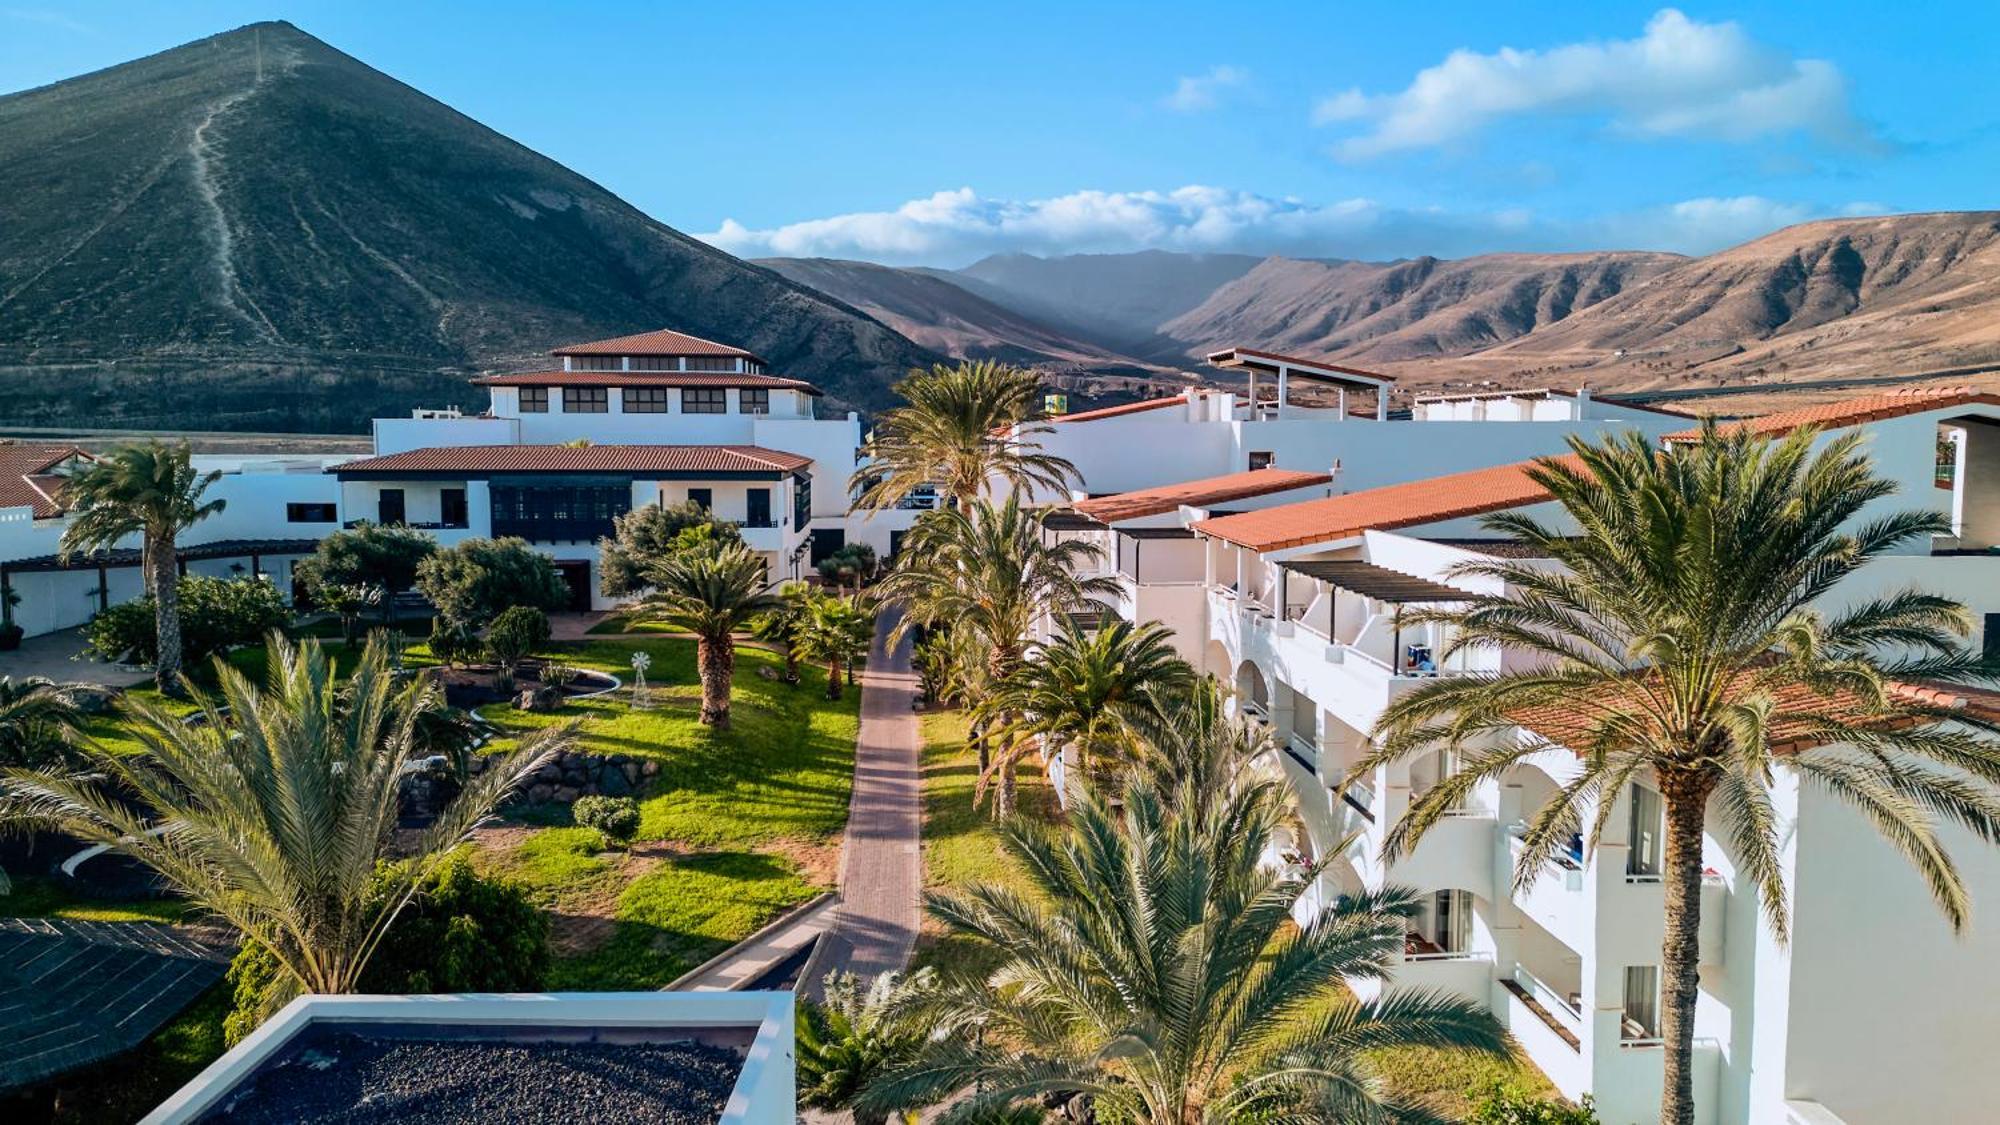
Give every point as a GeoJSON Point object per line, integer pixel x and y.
{"type": "Point", "coordinates": [765, 1092]}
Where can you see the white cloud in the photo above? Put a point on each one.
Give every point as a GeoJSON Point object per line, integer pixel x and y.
{"type": "Point", "coordinates": [1198, 92]}
{"type": "Point", "coordinates": [1680, 78]}
{"type": "Point", "coordinates": [953, 228]}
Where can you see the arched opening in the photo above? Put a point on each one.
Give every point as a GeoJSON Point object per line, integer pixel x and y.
{"type": "Point", "coordinates": [1253, 694]}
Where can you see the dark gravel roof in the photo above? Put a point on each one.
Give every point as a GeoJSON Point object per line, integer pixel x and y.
{"type": "Point", "coordinates": [334, 1074]}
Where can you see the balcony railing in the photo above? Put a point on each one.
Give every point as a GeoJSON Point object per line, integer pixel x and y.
{"type": "Point", "coordinates": [460, 525]}
{"type": "Point", "coordinates": [1563, 1015]}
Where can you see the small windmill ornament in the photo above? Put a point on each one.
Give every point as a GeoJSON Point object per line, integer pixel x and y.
{"type": "Point", "coordinates": [640, 662]}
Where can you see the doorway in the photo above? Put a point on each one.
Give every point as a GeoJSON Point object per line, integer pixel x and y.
{"type": "Point", "coordinates": [576, 576]}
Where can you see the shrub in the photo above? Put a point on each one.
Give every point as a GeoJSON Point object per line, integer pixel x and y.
{"type": "Point", "coordinates": [616, 817]}
{"type": "Point", "coordinates": [1503, 1104]}
{"type": "Point", "coordinates": [473, 582]}
{"type": "Point", "coordinates": [451, 642]}
{"type": "Point", "coordinates": [371, 555]}
{"type": "Point", "coordinates": [217, 614]}
{"type": "Point", "coordinates": [462, 932]}
{"type": "Point", "coordinates": [515, 635]}
{"type": "Point", "coordinates": [644, 536]}
{"type": "Point", "coordinates": [559, 675]}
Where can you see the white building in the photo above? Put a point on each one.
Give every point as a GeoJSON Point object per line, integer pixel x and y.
{"type": "Point", "coordinates": [1858, 1020]}
{"type": "Point", "coordinates": [656, 418]}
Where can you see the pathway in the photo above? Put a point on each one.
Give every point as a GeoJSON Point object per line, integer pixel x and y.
{"type": "Point", "coordinates": [56, 656]}
{"type": "Point", "coordinates": [881, 864]}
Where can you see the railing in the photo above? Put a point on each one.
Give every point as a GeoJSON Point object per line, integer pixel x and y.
{"type": "Point", "coordinates": [1304, 753]}
{"type": "Point", "coordinates": [1569, 864]}
{"type": "Point", "coordinates": [1569, 1014]}
{"type": "Point", "coordinates": [1363, 804]}
{"type": "Point", "coordinates": [458, 526]}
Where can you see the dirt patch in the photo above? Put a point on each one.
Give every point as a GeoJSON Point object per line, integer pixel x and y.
{"type": "Point", "coordinates": [818, 861]}
{"type": "Point", "coordinates": [588, 915]}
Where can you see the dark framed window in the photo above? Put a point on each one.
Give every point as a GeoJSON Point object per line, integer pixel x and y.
{"type": "Point", "coordinates": [656, 363]}
{"type": "Point", "coordinates": [597, 363]}
{"type": "Point", "coordinates": [754, 400]}
{"type": "Point", "coordinates": [711, 363]}
{"type": "Point", "coordinates": [534, 400]}
{"type": "Point", "coordinates": [704, 400]}
{"type": "Point", "coordinates": [1262, 459]}
{"type": "Point", "coordinates": [451, 507]}
{"type": "Point", "coordinates": [703, 498]}
{"type": "Point", "coordinates": [802, 500]}
{"type": "Point", "coordinates": [757, 507]}
{"type": "Point", "coordinates": [586, 400]}
{"type": "Point", "coordinates": [645, 400]}
{"type": "Point", "coordinates": [389, 508]}
{"type": "Point", "coordinates": [310, 513]}
{"type": "Point", "coordinates": [557, 513]}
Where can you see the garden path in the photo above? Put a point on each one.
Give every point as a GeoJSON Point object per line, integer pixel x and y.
{"type": "Point", "coordinates": [881, 863]}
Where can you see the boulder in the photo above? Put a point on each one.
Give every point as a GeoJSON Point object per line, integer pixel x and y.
{"type": "Point", "coordinates": [614, 783]}
{"type": "Point", "coordinates": [541, 699]}
{"type": "Point", "coordinates": [91, 699]}
{"type": "Point", "coordinates": [541, 794]}
{"type": "Point", "coordinates": [650, 768]}
{"type": "Point", "coordinates": [566, 794]}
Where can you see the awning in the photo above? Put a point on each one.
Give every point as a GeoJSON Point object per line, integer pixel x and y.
{"type": "Point", "coordinates": [1378, 582]}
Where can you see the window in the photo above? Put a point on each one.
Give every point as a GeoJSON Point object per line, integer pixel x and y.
{"type": "Point", "coordinates": [1643, 835]}
{"type": "Point", "coordinates": [703, 498]}
{"type": "Point", "coordinates": [802, 500]}
{"type": "Point", "coordinates": [1262, 459]}
{"type": "Point", "coordinates": [655, 363]}
{"type": "Point", "coordinates": [711, 363]}
{"type": "Point", "coordinates": [534, 400]}
{"type": "Point", "coordinates": [310, 513]}
{"type": "Point", "coordinates": [1642, 1003]}
{"type": "Point", "coordinates": [552, 513]}
{"type": "Point", "coordinates": [597, 363]}
{"type": "Point", "coordinates": [704, 400]}
{"type": "Point", "coordinates": [586, 400]}
{"type": "Point", "coordinates": [451, 507]}
{"type": "Point", "coordinates": [753, 400]}
{"type": "Point", "coordinates": [389, 506]}
{"type": "Point", "coordinates": [645, 400]}
{"type": "Point", "coordinates": [757, 507]}
{"type": "Point", "coordinates": [753, 367]}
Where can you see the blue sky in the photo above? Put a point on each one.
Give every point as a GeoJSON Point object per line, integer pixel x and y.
{"type": "Point", "coordinates": [937, 133]}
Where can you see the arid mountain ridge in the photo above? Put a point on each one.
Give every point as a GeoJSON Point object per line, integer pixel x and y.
{"type": "Point", "coordinates": [1845, 299]}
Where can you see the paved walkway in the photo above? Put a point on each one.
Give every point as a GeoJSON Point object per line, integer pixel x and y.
{"type": "Point", "coordinates": [881, 864]}
{"type": "Point", "coordinates": [54, 655]}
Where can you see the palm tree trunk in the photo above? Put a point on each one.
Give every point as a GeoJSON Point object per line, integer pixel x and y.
{"type": "Point", "coordinates": [164, 576]}
{"type": "Point", "coordinates": [1685, 795]}
{"type": "Point", "coordinates": [717, 658]}
{"type": "Point", "coordinates": [1003, 801]}
{"type": "Point", "coordinates": [833, 678]}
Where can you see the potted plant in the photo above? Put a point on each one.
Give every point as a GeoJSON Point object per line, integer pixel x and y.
{"type": "Point", "coordinates": [10, 633]}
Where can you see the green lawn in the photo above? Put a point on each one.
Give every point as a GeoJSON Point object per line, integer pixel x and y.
{"type": "Point", "coordinates": [628, 623]}
{"type": "Point", "coordinates": [961, 842]}
{"type": "Point", "coordinates": [43, 898]}
{"type": "Point", "coordinates": [1452, 1083]}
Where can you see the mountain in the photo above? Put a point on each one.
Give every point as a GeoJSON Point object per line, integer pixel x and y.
{"type": "Point", "coordinates": [1373, 312]}
{"type": "Point", "coordinates": [945, 313]}
{"type": "Point", "coordinates": [1118, 301]}
{"type": "Point", "coordinates": [1834, 299]}
{"type": "Point", "coordinates": [256, 231]}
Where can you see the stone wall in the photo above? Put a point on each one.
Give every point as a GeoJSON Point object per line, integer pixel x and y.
{"type": "Point", "coordinates": [574, 774]}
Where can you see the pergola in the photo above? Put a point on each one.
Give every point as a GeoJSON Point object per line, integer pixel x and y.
{"type": "Point", "coordinates": [117, 558]}
{"type": "Point", "coordinates": [1379, 583]}
{"type": "Point", "coordinates": [1285, 368]}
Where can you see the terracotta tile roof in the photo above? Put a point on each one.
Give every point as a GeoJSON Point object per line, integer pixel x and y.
{"type": "Point", "coordinates": [25, 479]}
{"type": "Point", "coordinates": [1569, 726]}
{"type": "Point", "coordinates": [1236, 357]}
{"type": "Point", "coordinates": [644, 379]}
{"type": "Point", "coordinates": [663, 342]}
{"type": "Point", "coordinates": [1121, 409]}
{"type": "Point", "coordinates": [1197, 493]}
{"type": "Point", "coordinates": [482, 459]}
{"type": "Point", "coordinates": [1452, 496]}
{"type": "Point", "coordinates": [1852, 412]}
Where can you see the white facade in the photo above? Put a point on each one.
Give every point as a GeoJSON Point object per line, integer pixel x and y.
{"type": "Point", "coordinates": [1860, 1019]}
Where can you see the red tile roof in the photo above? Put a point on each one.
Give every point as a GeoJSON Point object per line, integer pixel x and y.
{"type": "Point", "coordinates": [25, 479]}
{"type": "Point", "coordinates": [482, 459]}
{"type": "Point", "coordinates": [1197, 493]}
{"type": "Point", "coordinates": [1235, 357]}
{"type": "Point", "coordinates": [663, 342]}
{"type": "Point", "coordinates": [1121, 409]}
{"type": "Point", "coordinates": [1452, 496]}
{"type": "Point", "coordinates": [644, 379]}
{"type": "Point", "coordinates": [1852, 412]}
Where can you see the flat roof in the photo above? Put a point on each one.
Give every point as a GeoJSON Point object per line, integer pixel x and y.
{"type": "Point", "coordinates": [642, 460]}
{"type": "Point", "coordinates": [1298, 366]}
{"type": "Point", "coordinates": [1198, 493]}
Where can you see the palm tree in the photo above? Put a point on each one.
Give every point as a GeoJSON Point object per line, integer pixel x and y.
{"type": "Point", "coordinates": [38, 723]}
{"type": "Point", "coordinates": [154, 491]}
{"type": "Point", "coordinates": [986, 569]}
{"type": "Point", "coordinates": [270, 807]}
{"type": "Point", "coordinates": [711, 591]}
{"type": "Point", "coordinates": [784, 621]}
{"type": "Point", "coordinates": [856, 1035]}
{"type": "Point", "coordinates": [965, 427]}
{"type": "Point", "coordinates": [1156, 970]}
{"type": "Point", "coordinates": [838, 632]}
{"type": "Point", "coordinates": [1679, 642]}
{"type": "Point", "coordinates": [1087, 694]}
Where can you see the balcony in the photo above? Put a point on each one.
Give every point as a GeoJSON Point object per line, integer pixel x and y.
{"type": "Point", "coordinates": [1555, 898]}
